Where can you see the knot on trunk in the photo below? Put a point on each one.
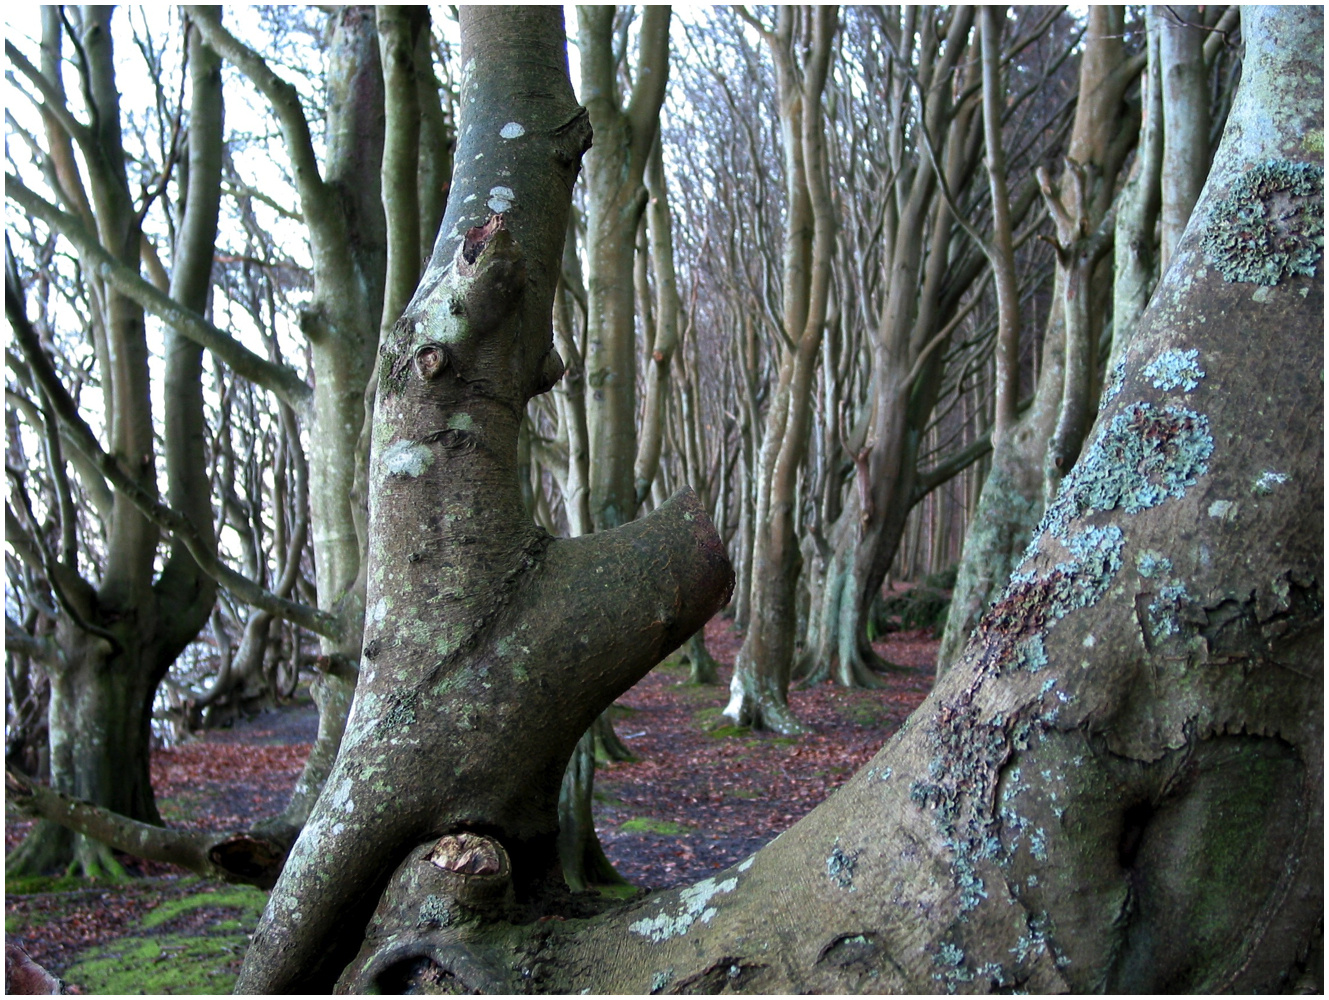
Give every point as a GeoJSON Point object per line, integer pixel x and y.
{"type": "Point", "coordinates": [415, 938]}
{"type": "Point", "coordinates": [469, 854]}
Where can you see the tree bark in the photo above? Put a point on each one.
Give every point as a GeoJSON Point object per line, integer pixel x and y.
{"type": "Point", "coordinates": [1120, 786]}
{"type": "Point", "coordinates": [469, 603]}
{"type": "Point", "coordinates": [1185, 81]}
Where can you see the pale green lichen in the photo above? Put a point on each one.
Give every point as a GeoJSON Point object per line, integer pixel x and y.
{"type": "Point", "coordinates": [1144, 456]}
{"type": "Point", "coordinates": [694, 907]}
{"type": "Point", "coordinates": [407, 458]}
{"type": "Point", "coordinates": [1175, 370]}
{"type": "Point", "coordinates": [1266, 481]}
{"type": "Point", "coordinates": [435, 912]}
{"type": "Point", "coordinates": [840, 867]}
{"type": "Point", "coordinates": [460, 422]}
{"type": "Point", "coordinates": [1115, 380]}
{"type": "Point", "coordinates": [1163, 610]}
{"type": "Point", "coordinates": [1151, 564]}
{"type": "Point", "coordinates": [1271, 226]}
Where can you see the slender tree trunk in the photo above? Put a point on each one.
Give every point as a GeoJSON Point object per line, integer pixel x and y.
{"type": "Point", "coordinates": [1185, 82]}
{"type": "Point", "coordinates": [758, 691]}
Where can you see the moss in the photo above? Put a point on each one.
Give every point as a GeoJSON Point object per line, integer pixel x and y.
{"type": "Point", "coordinates": [723, 732]}
{"type": "Point", "coordinates": [644, 824]}
{"type": "Point", "coordinates": [173, 964]}
{"type": "Point", "coordinates": [1271, 226]}
{"type": "Point", "coordinates": [31, 884]}
{"type": "Point", "coordinates": [199, 962]}
{"type": "Point", "coordinates": [624, 890]}
{"type": "Point", "coordinates": [243, 897]}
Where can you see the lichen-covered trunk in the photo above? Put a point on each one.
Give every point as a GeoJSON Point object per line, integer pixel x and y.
{"type": "Point", "coordinates": [1119, 787]}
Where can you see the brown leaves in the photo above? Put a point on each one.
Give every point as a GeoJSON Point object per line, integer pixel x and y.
{"type": "Point", "coordinates": [732, 794]}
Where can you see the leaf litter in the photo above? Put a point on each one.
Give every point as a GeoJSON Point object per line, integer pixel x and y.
{"type": "Point", "coordinates": [700, 796]}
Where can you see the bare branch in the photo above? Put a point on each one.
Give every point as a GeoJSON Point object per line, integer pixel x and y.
{"type": "Point", "coordinates": [323, 623]}
{"type": "Point", "coordinates": [281, 380]}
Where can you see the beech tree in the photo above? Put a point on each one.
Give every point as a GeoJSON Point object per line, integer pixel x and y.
{"type": "Point", "coordinates": [1117, 787]}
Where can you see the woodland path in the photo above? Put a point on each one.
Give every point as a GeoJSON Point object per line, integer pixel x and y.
{"type": "Point", "coordinates": [700, 796]}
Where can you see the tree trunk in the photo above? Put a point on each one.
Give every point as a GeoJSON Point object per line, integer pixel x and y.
{"type": "Point", "coordinates": [758, 690]}
{"type": "Point", "coordinates": [1120, 786]}
{"type": "Point", "coordinates": [469, 603]}
{"type": "Point", "coordinates": [119, 639]}
{"type": "Point", "coordinates": [1038, 449]}
{"type": "Point", "coordinates": [1185, 83]}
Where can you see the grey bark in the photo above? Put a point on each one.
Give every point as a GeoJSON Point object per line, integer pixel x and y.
{"type": "Point", "coordinates": [469, 602]}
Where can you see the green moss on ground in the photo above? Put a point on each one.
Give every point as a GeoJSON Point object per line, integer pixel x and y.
{"type": "Point", "coordinates": [30, 885]}
{"type": "Point", "coordinates": [153, 957]}
{"type": "Point", "coordinates": [644, 824]}
{"type": "Point", "coordinates": [245, 898]}
{"type": "Point", "coordinates": [169, 964]}
{"type": "Point", "coordinates": [722, 732]}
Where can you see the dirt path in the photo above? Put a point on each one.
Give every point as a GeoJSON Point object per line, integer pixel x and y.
{"type": "Point", "coordinates": [700, 796]}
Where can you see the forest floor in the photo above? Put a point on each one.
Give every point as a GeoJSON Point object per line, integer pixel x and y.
{"type": "Point", "coordinates": [700, 796]}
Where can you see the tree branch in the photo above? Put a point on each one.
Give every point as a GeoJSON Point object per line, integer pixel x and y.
{"type": "Point", "coordinates": [53, 100]}
{"type": "Point", "coordinates": [282, 381]}
{"type": "Point", "coordinates": [322, 622]}
{"type": "Point", "coordinates": [285, 101]}
{"type": "Point", "coordinates": [233, 857]}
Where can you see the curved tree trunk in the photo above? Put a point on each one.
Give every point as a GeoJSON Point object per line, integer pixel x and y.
{"type": "Point", "coordinates": [1119, 788]}
{"type": "Point", "coordinates": [469, 603]}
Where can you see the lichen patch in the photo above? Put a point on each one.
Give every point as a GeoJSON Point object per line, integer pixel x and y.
{"type": "Point", "coordinates": [1175, 370]}
{"type": "Point", "coordinates": [407, 458]}
{"type": "Point", "coordinates": [694, 906]}
{"type": "Point", "coordinates": [1271, 226]}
